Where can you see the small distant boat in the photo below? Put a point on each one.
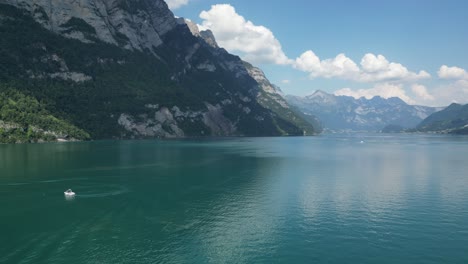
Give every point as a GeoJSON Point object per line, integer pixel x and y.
{"type": "Point", "coordinates": [69, 193]}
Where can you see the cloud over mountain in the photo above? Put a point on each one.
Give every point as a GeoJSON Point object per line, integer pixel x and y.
{"type": "Point", "coordinates": [257, 44]}
{"type": "Point", "coordinates": [384, 90]}
{"type": "Point", "coordinates": [383, 77]}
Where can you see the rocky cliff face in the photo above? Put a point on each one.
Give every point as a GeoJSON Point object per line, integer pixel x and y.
{"type": "Point", "coordinates": [261, 91]}
{"type": "Point", "coordinates": [128, 68]}
{"type": "Point", "coordinates": [137, 24]}
{"type": "Point", "coordinates": [271, 97]}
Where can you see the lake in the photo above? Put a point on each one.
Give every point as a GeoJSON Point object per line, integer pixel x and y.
{"type": "Point", "coordinates": [359, 198]}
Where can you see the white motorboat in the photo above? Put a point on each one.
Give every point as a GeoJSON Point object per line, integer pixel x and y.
{"type": "Point", "coordinates": [69, 193]}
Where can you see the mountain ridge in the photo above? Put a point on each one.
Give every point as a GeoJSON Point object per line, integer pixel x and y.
{"type": "Point", "coordinates": [341, 113]}
{"type": "Point", "coordinates": [453, 119]}
{"type": "Point", "coordinates": [180, 86]}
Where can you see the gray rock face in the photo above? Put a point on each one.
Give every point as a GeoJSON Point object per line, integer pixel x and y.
{"type": "Point", "coordinates": [217, 122]}
{"type": "Point", "coordinates": [165, 122]}
{"type": "Point", "coordinates": [209, 38]}
{"type": "Point", "coordinates": [272, 92]}
{"type": "Point", "coordinates": [134, 25]}
{"type": "Point", "coordinates": [162, 124]}
{"type": "Point", "coordinates": [62, 70]}
{"type": "Point", "coordinates": [72, 76]}
{"type": "Point", "coordinates": [192, 26]}
{"type": "Point", "coordinates": [206, 35]}
{"type": "Point", "coordinates": [235, 66]}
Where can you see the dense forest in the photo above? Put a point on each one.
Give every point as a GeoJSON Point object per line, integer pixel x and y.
{"type": "Point", "coordinates": [87, 86]}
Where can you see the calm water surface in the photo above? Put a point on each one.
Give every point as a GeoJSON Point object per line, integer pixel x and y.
{"type": "Point", "coordinates": [325, 199]}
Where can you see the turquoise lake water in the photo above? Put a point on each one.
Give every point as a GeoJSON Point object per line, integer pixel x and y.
{"type": "Point", "coordinates": [326, 199]}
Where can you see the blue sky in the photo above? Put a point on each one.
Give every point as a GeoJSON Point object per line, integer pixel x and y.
{"type": "Point", "coordinates": [357, 48]}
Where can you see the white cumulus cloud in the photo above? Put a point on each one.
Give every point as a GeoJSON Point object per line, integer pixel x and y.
{"type": "Point", "coordinates": [456, 92]}
{"type": "Point", "coordinates": [415, 94]}
{"type": "Point", "coordinates": [340, 66]}
{"type": "Point", "coordinates": [378, 68]}
{"type": "Point", "coordinates": [253, 43]}
{"type": "Point", "coordinates": [421, 92]}
{"type": "Point", "coordinates": [257, 44]}
{"type": "Point", "coordinates": [174, 4]}
{"type": "Point", "coordinates": [373, 68]}
{"type": "Point", "coordinates": [371, 63]}
{"type": "Point", "coordinates": [384, 90]}
{"type": "Point", "coordinates": [446, 72]}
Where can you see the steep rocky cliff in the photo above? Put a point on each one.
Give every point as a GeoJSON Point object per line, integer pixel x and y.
{"type": "Point", "coordinates": [129, 68]}
{"type": "Point", "coordinates": [264, 92]}
{"type": "Point", "coordinates": [137, 24]}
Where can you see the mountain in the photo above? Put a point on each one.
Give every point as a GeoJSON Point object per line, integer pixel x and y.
{"type": "Point", "coordinates": [338, 113]}
{"type": "Point", "coordinates": [272, 97]}
{"type": "Point", "coordinates": [129, 68]}
{"type": "Point", "coordinates": [453, 119]}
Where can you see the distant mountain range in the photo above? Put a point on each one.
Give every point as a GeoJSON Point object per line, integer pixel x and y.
{"type": "Point", "coordinates": [345, 113]}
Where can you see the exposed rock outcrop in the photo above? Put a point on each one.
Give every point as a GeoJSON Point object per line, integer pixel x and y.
{"type": "Point", "coordinates": [217, 122]}
{"type": "Point", "coordinates": [137, 71]}
{"type": "Point", "coordinates": [209, 38]}
{"type": "Point", "coordinates": [166, 122]}
{"type": "Point", "coordinates": [137, 24]}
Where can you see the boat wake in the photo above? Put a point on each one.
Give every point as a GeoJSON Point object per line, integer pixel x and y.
{"type": "Point", "coordinates": [103, 194]}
